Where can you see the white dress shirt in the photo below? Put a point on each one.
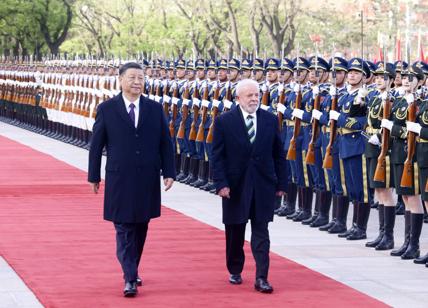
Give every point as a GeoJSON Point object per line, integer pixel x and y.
{"type": "Point", "coordinates": [254, 115]}
{"type": "Point", "coordinates": [136, 109]}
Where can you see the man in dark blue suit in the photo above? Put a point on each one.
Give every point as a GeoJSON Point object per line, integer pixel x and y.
{"type": "Point", "coordinates": [249, 171]}
{"type": "Point", "coordinates": [135, 133]}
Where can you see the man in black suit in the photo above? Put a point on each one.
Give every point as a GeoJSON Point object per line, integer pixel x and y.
{"type": "Point", "coordinates": [135, 133]}
{"type": "Point", "coordinates": [249, 171]}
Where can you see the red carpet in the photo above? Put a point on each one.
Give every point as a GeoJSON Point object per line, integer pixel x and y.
{"type": "Point", "coordinates": [53, 235]}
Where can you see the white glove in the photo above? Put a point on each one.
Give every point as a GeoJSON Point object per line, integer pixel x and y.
{"type": "Point", "coordinates": [332, 91]}
{"type": "Point", "coordinates": [414, 127]}
{"type": "Point", "coordinates": [264, 87]}
{"type": "Point", "coordinates": [157, 98]}
{"type": "Point", "coordinates": [280, 88]}
{"type": "Point", "coordinates": [297, 113]}
{"type": "Point", "coordinates": [166, 98]}
{"type": "Point", "coordinates": [196, 102]}
{"type": "Point", "coordinates": [227, 104]}
{"type": "Point", "coordinates": [281, 108]}
{"type": "Point", "coordinates": [164, 82]}
{"type": "Point", "coordinates": [175, 100]}
{"type": "Point", "coordinates": [316, 114]}
{"type": "Point", "coordinates": [362, 92]}
{"type": "Point", "coordinates": [216, 103]}
{"type": "Point", "coordinates": [205, 103]}
{"type": "Point", "coordinates": [374, 140]}
{"type": "Point", "coordinates": [410, 98]}
{"type": "Point", "coordinates": [315, 91]}
{"type": "Point", "coordinates": [186, 102]}
{"type": "Point", "coordinates": [386, 124]}
{"type": "Point", "coordinates": [296, 88]}
{"type": "Point", "coordinates": [334, 115]}
{"type": "Point", "coordinates": [383, 96]}
{"type": "Point", "coordinates": [152, 97]}
{"type": "Point", "coordinates": [264, 107]}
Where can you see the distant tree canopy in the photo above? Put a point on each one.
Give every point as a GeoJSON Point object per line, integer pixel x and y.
{"type": "Point", "coordinates": [167, 28]}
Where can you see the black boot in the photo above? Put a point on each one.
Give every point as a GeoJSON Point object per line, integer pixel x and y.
{"type": "Point", "coordinates": [177, 163]}
{"type": "Point", "coordinates": [399, 207]}
{"type": "Point", "coordinates": [210, 184]}
{"type": "Point", "coordinates": [202, 174]}
{"type": "Point", "coordinates": [333, 214]}
{"type": "Point", "coordinates": [354, 221]}
{"type": "Point", "coordinates": [412, 251]}
{"type": "Point", "coordinates": [299, 204]}
{"type": "Point", "coordinates": [342, 214]}
{"type": "Point", "coordinates": [306, 205]}
{"type": "Point", "coordinates": [184, 164]}
{"type": "Point", "coordinates": [398, 252]}
{"type": "Point", "coordinates": [324, 210]}
{"type": "Point", "coordinates": [193, 171]}
{"type": "Point", "coordinates": [362, 220]}
{"type": "Point", "coordinates": [316, 210]}
{"type": "Point", "coordinates": [421, 260]}
{"type": "Point", "coordinates": [376, 241]}
{"type": "Point", "coordinates": [387, 241]}
{"type": "Point", "coordinates": [290, 200]}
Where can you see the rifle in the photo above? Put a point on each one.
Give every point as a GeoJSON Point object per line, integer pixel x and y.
{"type": "Point", "coordinates": [406, 178]}
{"type": "Point", "coordinates": [214, 113]}
{"type": "Point", "coordinates": [328, 158]}
{"type": "Point", "coordinates": [174, 112]}
{"type": "Point", "coordinates": [265, 97]}
{"type": "Point", "coordinates": [228, 96]}
{"type": "Point", "coordinates": [192, 134]}
{"type": "Point", "coordinates": [185, 112]}
{"type": "Point", "coordinates": [165, 104]}
{"type": "Point", "coordinates": [380, 172]}
{"type": "Point", "coordinates": [279, 114]}
{"type": "Point", "coordinates": [310, 156]}
{"type": "Point", "coordinates": [200, 135]}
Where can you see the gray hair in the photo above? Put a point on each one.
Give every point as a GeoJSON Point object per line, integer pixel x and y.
{"type": "Point", "coordinates": [245, 83]}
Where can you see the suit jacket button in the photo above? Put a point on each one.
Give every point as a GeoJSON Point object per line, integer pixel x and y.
{"type": "Point", "coordinates": [136, 135]}
{"type": "Point", "coordinates": [137, 152]}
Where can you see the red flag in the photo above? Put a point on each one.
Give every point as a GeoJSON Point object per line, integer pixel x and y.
{"type": "Point", "coordinates": [398, 48]}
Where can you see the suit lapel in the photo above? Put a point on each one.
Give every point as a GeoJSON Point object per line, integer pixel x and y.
{"type": "Point", "coordinates": [260, 131]}
{"type": "Point", "coordinates": [242, 131]}
{"type": "Point", "coordinates": [143, 109]}
{"type": "Point", "coordinates": [121, 109]}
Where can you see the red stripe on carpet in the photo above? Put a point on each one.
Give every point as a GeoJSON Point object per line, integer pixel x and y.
{"type": "Point", "coordinates": [53, 235]}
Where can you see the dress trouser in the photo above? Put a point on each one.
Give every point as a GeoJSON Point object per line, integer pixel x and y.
{"type": "Point", "coordinates": [130, 239]}
{"type": "Point", "coordinates": [260, 245]}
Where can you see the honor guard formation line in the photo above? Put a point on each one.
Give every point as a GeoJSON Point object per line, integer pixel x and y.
{"type": "Point", "coordinates": [354, 131]}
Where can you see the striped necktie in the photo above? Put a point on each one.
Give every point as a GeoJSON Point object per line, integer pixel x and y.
{"type": "Point", "coordinates": [250, 128]}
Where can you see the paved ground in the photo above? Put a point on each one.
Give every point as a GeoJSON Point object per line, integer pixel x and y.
{"type": "Point", "coordinates": [394, 281]}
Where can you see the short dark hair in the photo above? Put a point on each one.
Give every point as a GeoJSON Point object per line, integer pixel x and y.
{"type": "Point", "coordinates": [127, 66]}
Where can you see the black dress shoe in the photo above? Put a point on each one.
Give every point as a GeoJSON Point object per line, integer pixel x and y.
{"type": "Point", "coordinates": [139, 282]}
{"type": "Point", "coordinates": [262, 285]}
{"type": "Point", "coordinates": [130, 289]}
{"type": "Point", "coordinates": [421, 260]}
{"type": "Point", "coordinates": [235, 279]}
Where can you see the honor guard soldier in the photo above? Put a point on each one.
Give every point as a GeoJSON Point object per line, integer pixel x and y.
{"type": "Point", "coordinates": [405, 168]}
{"type": "Point", "coordinates": [379, 107]}
{"type": "Point", "coordinates": [351, 121]}
{"type": "Point", "coordinates": [330, 145]}
{"type": "Point", "coordinates": [196, 115]}
{"type": "Point", "coordinates": [178, 90]}
{"type": "Point", "coordinates": [299, 169]}
{"type": "Point", "coordinates": [285, 89]}
{"type": "Point", "coordinates": [318, 76]}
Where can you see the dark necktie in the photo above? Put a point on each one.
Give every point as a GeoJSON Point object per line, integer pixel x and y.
{"type": "Point", "coordinates": [250, 128]}
{"type": "Point", "coordinates": [132, 113]}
